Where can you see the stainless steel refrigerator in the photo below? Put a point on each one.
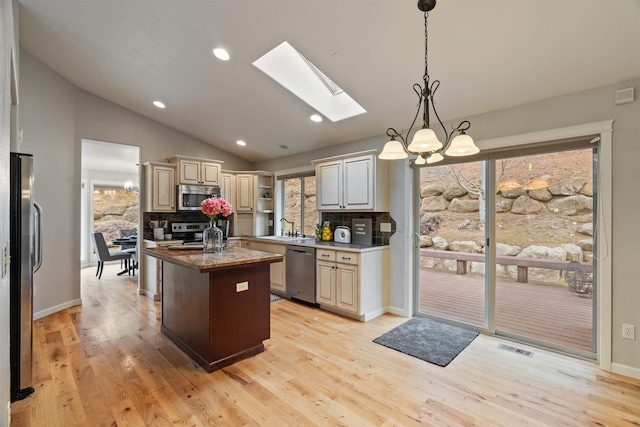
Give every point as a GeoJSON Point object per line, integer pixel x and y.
{"type": "Point", "coordinates": [26, 257]}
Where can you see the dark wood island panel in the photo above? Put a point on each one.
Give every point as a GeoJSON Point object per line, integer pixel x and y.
{"type": "Point", "coordinates": [217, 314]}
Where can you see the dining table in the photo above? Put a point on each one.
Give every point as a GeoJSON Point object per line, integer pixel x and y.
{"type": "Point", "coordinates": [126, 242]}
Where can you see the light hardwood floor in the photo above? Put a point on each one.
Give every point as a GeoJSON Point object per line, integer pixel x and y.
{"type": "Point", "coordinates": [106, 363]}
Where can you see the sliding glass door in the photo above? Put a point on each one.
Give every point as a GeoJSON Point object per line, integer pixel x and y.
{"type": "Point", "coordinates": [540, 287]}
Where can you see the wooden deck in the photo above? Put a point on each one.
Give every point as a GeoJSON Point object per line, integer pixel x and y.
{"type": "Point", "coordinates": [544, 312]}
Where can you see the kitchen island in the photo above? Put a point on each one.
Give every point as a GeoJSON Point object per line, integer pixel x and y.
{"type": "Point", "coordinates": [215, 306]}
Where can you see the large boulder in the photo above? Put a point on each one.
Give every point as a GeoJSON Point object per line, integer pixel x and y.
{"type": "Point", "coordinates": [114, 210]}
{"type": "Point", "coordinates": [574, 252]}
{"type": "Point", "coordinates": [571, 205]}
{"type": "Point", "coordinates": [540, 194]}
{"type": "Point", "coordinates": [463, 206]}
{"type": "Point", "coordinates": [501, 250]}
{"type": "Point", "coordinates": [425, 241]}
{"type": "Point", "coordinates": [541, 252]}
{"type": "Point", "coordinates": [525, 205]}
{"type": "Point", "coordinates": [131, 214]}
{"type": "Point", "coordinates": [468, 246]}
{"type": "Point", "coordinates": [586, 245]}
{"type": "Point", "coordinates": [440, 243]}
{"type": "Point", "coordinates": [587, 189]}
{"type": "Point", "coordinates": [504, 205]}
{"type": "Point", "coordinates": [512, 193]}
{"type": "Point", "coordinates": [567, 188]}
{"type": "Point", "coordinates": [433, 204]}
{"type": "Point", "coordinates": [586, 228]}
{"type": "Point", "coordinates": [431, 190]}
{"type": "Point", "coordinates": [454, 192]}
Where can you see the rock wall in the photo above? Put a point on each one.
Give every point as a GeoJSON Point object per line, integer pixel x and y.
{"type": "Point", "coordinates": [571, 201]}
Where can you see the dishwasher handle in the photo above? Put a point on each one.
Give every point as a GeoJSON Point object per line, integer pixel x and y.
{"type": "Point", "coordinates": [300, 252]}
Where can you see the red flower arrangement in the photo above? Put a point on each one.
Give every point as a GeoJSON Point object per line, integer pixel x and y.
{"type": "Point", "coordinates": [216, 208]}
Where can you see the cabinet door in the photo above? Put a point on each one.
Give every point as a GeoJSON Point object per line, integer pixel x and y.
{"type": "Point", "coordinates": [325, 283]}
{"type": "Point", "coordinates": [277, 269]}
{"type": "Point", "coordinates": [244, 193]}
{"type": "Point", "coordinates": [329, 185]}
{"type": "Point", "coordinates": [210, 173]}
{"type": "Point", "coordinates": [164, 190]}
{"type": "Point", "coordinates": [189, 172]}
{"type": "Point", "coordinates": [228, 189]}
{"type": "Point", "coordinates": [359, 184]}
{"type": "Point", "coordinates": [347, 288]}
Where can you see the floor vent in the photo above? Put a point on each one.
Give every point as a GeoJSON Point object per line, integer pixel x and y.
{"type": "Point", "coordinates": [516, 350]}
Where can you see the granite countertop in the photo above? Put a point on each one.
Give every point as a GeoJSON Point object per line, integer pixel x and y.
{"type": "Point", "coordinates": [207, 262]}
{"type": "Point", "coordinates": [318, 244]}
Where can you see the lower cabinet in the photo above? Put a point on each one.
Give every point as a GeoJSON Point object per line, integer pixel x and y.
{"type": "Point", "coordinates": [151, 270]}
{"type": "Point", "coordinates": [352, 283]}
{"type": "Point", "coordinates": [278, 269]}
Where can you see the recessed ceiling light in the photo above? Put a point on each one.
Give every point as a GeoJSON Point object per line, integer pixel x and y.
{"type": "Point", "coordinates": [316, 118]}
{"type": "Point", "coordinates": [221, 54]}
{"type": "Point", "coordinates": [159, 104]}
{"type": "Point", "coordinates": [284, 147]}
{"type": "Point", "coordinates": [241, 143]}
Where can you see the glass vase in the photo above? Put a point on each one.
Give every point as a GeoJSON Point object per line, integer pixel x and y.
{"type": "Point", "coordinates": [212, 238]}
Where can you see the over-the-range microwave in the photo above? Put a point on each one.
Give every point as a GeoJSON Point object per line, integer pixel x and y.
{"type": "Point", "coordinates": [189, 197]}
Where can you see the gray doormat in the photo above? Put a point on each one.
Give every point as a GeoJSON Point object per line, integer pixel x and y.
{"type": "Point", "coordinates": [428, 340]}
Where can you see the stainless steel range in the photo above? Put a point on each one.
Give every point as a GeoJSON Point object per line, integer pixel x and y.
{"type": "Point", "coordinates": [188, 231]}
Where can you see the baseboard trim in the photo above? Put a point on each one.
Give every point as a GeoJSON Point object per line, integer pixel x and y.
{"type": "Point", "coordinates": [397, 310]}
{"type": "Point", "coordinates": [149, 294]}
{"type": "Point", "coordinates": [627, 371]}
{"type": "Point", "coordinates": [51, 310]}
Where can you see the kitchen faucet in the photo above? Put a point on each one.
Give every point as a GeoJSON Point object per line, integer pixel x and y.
{"type": "Point", "coordinates": [292, 226]}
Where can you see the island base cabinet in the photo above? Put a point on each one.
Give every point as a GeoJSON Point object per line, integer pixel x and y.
{"type": "Point", "coordinates": [211, 318]}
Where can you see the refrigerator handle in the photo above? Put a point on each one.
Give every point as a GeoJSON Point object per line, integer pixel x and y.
{"type": "Point", "coordinates": [37, 236]}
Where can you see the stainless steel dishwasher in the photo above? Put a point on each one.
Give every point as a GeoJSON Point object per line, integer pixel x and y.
{"type": "Point", "coordinates": [301, 273]}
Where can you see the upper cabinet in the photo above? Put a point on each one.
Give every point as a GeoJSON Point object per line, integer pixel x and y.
{"type": "Point", "coordinates": [160, 187]}
{"type": "Point", "coordinates": [228, 187]}
{"type": "Point", "coordinates": [354, 182]}
{"type": "Point", "coordinates": [244, 192]}
{"type": "Point", "coordinates": [195, 171]}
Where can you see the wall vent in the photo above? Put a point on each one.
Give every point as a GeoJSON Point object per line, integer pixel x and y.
{"type": "Point", "coordinates": [624, 96]}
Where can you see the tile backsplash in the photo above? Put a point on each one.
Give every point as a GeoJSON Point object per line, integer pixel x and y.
{"type": "Point", "coordinates": [377, 218]}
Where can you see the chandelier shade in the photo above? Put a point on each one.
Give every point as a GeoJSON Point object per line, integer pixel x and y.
{"type": "Point", "coordinates": [462, 145]}
{"type": "Point", "coordinates": [425, 142]}
{"type": "Point", "coordinates": [392, 150]}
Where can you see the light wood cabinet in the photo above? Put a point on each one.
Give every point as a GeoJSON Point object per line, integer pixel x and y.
{"type": "Point", "coordinates": [352, 283]}
{"type": "Point", "coordinates": [278, 269]}
{"type": "Point", "coordinates": [196, 171]}
{"type": "Point", "coordinates": [228, 188]}
{"type": "Point", "coordinates": [356, 182]}
{"type": "Point", "coordinates": [244, 192]}
{"type": "Point", "coordinates": [254, 203]}
{"type": "Point", "coordinates": [160, 188]}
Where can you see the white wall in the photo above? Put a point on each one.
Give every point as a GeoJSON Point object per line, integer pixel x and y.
{"type": "Point", "coordinates": [55, 117]}
{"type": "Point", "coordinates": [8, 49]}
{"type": "Point", "coordinates": [574, 109]}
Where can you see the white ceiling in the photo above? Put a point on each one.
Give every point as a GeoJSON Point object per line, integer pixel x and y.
{"type": "Point", "coordinates": [488, 54]}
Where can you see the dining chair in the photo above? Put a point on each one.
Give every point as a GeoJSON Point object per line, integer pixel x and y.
{"type": "Point", "coordinates": [132, 264]}
{"type": "Point", "coordinates": [103, 254]}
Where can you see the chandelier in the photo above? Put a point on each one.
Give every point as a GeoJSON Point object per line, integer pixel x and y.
{"type": "Point", "coordinates": [425, 142]}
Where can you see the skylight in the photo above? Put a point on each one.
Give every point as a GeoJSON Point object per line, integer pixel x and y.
{"type": "Point", "coordinates": [296, 73]}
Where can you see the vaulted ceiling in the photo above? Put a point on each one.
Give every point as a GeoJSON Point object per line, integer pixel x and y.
{"type": "Point", "coordinates": [488, 54]}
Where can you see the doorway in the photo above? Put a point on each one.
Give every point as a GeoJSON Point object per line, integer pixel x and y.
{"type": "Point", "coordinates": [109, 192]}
{"type": "Point", "coordinates": [537, 283]}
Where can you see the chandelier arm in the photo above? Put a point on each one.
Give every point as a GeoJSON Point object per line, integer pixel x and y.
{"type": "Point", "coordinates": [434, 86]}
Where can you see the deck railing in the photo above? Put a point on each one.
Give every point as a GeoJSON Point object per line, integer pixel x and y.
{"type": "Point", "coordinates": [523, 263]}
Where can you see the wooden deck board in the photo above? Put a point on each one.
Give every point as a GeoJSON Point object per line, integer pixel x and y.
{"type": "Point", "coordinates": [544, 312]}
